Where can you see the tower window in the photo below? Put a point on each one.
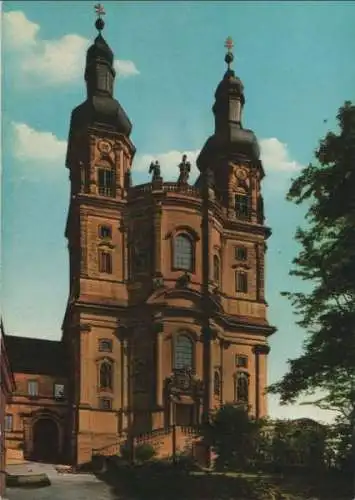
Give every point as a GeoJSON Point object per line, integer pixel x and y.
{"type": "Point", "coordinates": [241, 253]}
{"type": "Point", "coordinates": [241, 361]}
{"type": "Point", "coordinates": [242, 387]}
{"type": "Point", "coordinates": [106, 376]}
{"type": "Point", "coordinates": [8, 422]}
{"type": "Point", "coordinates": [105, 232]}
{"type": "Point", "coordinates": [105, 181]}
{"type": "Point", "coordinates": [183, 252]}
{"type": "Point", "coordinates": [32, 388]}
{"type": "Point", "coordinates": [105, 345]}
{"type": "Point", "coordinates": [183, 355]}
{"type": "Point", "coordinates": [242, 206]}
{"type": "Point", "coordinates": [216, 269]}
{"type": "Point", "coordinates": [105, 262]}
{"type": "Point", "coordinates": [241, 282]}
{"type": "Point", "coordinates": [234, 111]}
{"type": "Point", "coordinates": [59, 391]}
{"type": "Point", "coordinates": [105, 404]}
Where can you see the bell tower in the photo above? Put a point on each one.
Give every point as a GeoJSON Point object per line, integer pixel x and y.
{"type": "Point", "coordinates": [99, 159]}
{"type": "Point", "coordinates": [231, 172]}
{"type": "Point", "coordinates": [232, 152]}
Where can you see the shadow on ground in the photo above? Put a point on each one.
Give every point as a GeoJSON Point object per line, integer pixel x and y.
{"type": "Point", "coordinates": [166, 482]}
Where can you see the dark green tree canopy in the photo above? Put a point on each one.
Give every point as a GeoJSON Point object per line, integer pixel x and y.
{"type": "Point", "coordinates": [327, 262]}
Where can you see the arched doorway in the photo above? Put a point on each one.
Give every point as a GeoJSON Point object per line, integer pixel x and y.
{"type": "Point", "coordinates": [45, 440]}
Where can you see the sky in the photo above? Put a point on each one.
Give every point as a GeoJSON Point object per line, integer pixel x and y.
{"type": "Point", "coordinates": [295, 60]}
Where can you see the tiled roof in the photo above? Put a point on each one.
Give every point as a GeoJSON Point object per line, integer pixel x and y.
{"type": "Point", "coordinates": [38, 356]}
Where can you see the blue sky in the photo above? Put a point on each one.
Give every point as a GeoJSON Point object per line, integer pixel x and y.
{"type": "Point", "coordinates": [296, 62]}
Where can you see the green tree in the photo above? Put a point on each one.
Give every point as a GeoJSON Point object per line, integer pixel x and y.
{"type": "Point", "coordinates": [298, 443]}
{"type": "Point", "coordinates": [327, 262]}
{"type": "Point", "coordinates": [233, 435]}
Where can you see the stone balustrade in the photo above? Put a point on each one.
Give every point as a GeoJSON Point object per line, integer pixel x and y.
{"type": "Point", "coordinates": [160, 439]}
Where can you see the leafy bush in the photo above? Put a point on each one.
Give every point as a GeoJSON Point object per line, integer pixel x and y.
{"type": "Point", "coordinates": [144, 452]}
{"type": "Point", "coordinates": [233, 435]}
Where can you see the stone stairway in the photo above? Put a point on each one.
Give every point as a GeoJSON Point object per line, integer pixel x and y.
{"type": "Point", "coordinates": [160, 439]}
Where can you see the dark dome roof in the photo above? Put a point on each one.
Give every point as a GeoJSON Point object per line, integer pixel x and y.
{"type": "Point", "coordinates": [101, 110]}
{"type": "Point", "coordinates": [234, 141]}
{"type": "Point", "coordinates": [99, 50]}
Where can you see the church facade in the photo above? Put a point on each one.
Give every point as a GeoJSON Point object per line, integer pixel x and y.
{"type": "Point", "coordinates": [166, 316]}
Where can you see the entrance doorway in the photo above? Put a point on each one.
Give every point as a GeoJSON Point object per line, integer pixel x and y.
{"type": "Point", "coordinates": [184, 414]}
{"type": "Point", "coordinates": [45, 441]}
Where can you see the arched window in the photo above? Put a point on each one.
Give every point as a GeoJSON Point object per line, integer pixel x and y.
{"type": "Point", "coordinates": [216, 269]}
{"type": "Point", "coordinates": [242, 388]}
{"type": "Point", "coordinates": [242, 206]}
{"type": "Point", "coordinates": [106, 375]}
{"type": "Point", "coordinates": [217, 383]}
{"type": "Point", "coordinates": [183, 355]}
{"type": "Point", "coordinates": [183, 252]}
{"type": "Point", "coordinates": [105, 262]}
{"type": "Point", "coordinates": [105, 181]}
{"type": "Point", "coordinates": [241, 282]}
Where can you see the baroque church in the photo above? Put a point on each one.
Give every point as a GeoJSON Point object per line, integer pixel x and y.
{"type": "Point", "coordinates": [166, 317]}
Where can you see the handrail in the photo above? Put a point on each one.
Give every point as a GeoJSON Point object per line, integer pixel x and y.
{"type": "Point", "coordinates": [148, 436]}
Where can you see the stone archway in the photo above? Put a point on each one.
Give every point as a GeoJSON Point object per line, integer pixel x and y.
{"type": "Point", "coordinates": [45, 440]}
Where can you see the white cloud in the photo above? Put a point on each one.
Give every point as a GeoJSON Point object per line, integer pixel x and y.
{"type": "Point", "coordinates": [125, 68]}
{"type": "Point", "coordinates": [169, 162]}
{"type": "Point", "coordinates": [49, 62]}
{"type": "Point", "coordinates": [276, 158]}
{"type": "Point", "coordinates": [274, 154]}
{"type": "Point", "coordinates": [32, 145]}
{"type": "Point", "coordinates": [20, 33]}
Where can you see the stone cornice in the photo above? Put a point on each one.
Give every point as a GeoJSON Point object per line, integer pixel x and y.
{"type": "Point", "coordinates": [98, 202]}
{"type": "Point", "coordinates": [261, 349]}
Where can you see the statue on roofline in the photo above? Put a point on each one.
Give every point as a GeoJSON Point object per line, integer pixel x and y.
{"type": "Point", "coordinates": [185, 168]}
{"type": "Point", "coordinates": [154, 169]}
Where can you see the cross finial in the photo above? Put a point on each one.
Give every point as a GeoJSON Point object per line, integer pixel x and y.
{"type": "Point", "coordinates": [229, 46]}
{"type": "Point", "coordinates": [100, 11]}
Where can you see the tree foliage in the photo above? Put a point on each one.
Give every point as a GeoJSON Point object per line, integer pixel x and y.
{"type": "Point", "coordinates": [233, 435]}
{"type": "Point", "coordinates": [327, 262]}
{"type": "Point", "coordinates": [300, 443]}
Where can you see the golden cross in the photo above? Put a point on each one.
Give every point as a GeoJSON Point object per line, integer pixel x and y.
{"type": "Point", "coordinates": [99, 10]}
{"type": "Point", "coordinates": [229, 44]}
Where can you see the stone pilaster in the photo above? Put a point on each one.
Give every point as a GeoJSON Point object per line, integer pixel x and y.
{"type": "Point", "coordinates": [157, 222]}
{"type": "Point", "coordinates": [124, 381]}
{"type": "Point", "coordinates": [258, 350]}
{"type": "Point", "coordinates": [260, 259]}
{"type": "Point", "coordinates": [253, 193]}
{"type": "Point", "coordinates": [84, 359]}
{"type": "Point", "coordinates": [91, 166]}
{"type": "Point", "coordinates": [118, 169]}
{"type": "Point", "coordinates": [224, 345]}
{"type": "Point", "coordinates": [125, 251]}
{"type": "Point", "coordinates": [159, 365]}
{"type": "Point", "coordinates": [84, 245]}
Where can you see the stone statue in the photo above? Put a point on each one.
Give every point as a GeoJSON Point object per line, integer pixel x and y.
{"type": "Point", "coordinates": [155, 170]}
{"type": "Point", "coordinates": [185, 168]}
